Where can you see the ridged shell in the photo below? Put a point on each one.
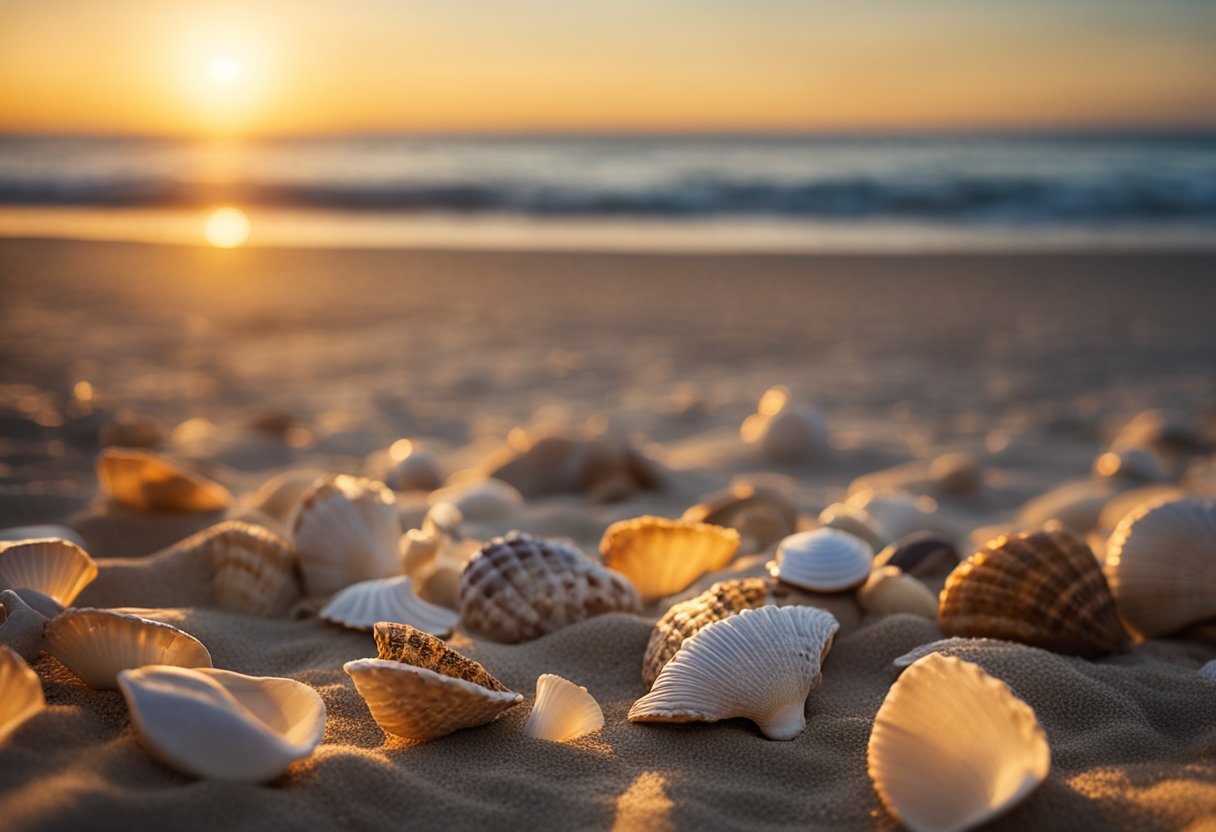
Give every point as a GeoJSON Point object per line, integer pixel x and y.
{"type": "Point", "coordinates": [953, 747]}
{"type": "Point", "coordinates": [920, 554]}
{"type": "Point", "coordinates": [221, 725]}
{"type": "Point", "coordinates": [56, 568]}
{"type": "Point", "coordinates": [1161, 565]}
{"type": "Point", "coordinates": [97, 645]}
{"type": "Point", "coordinates": [1040, 588]}
{"type": "Point", "coordinates": [147, 482]}
{"type": "Point", "coordinates": [759, 664]}
{"type": "Point", "coordinates": [889, 591]}
{"type": "Point", "coordinates": [662, 556]}
{"type": "Point", "coordinates": [253, 570]}
{"type": "Point", "coordinates": [823, 560]}
{"type": "Point", "coordinates": [518, 587]}
{"type": "Point", "coordinates": [20, 692]}
{"type": "Point", "coordinates": [409, 645]}
{"type": "Point", "coordinates": [21, 626]}
{"type": "Point", "coordinates": [17, 534]}
{"type": "Point", "coordinates": [684, 620]}
{"type": "Point", "coordinates": [345, 530]}
{"type": "Point", "coordinates": [361, 605]}
{"type": "Point", "coordinates": [762, 516]}
{"type": "Point", "coordinates": [563, 711]}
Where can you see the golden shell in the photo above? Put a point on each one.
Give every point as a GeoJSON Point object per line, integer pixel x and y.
{"type": "Point", "coordinates": [662, 556]}
{"type": "Point", "coordinates": [54, 567]}
{"type": "Point", "coordinates": [147, 482]}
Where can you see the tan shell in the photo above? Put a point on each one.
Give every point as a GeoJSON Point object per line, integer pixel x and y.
{"type": "Point", "coordinates": [416, 471]}
{"type": "Point", "coordinates": [563, 711]}
{"type": "Point", "coordinates": [409, 645]}
{"type": "Point", "coordinates": [889, 591]}
{"type": "Point", "coordinates": [484, 501]}
{"type": "Point", "coordinates": [1040, 588]}
{"type": "Point", "coordinates": [360, 606]}
{"type": "Point", "coordinates": [20, 692]}
{"type": "Point", "coordinates": [54, 567]}
{"type": "Point", "coordinates": [97, 645]}
{"type": "Point", "coordinates": [662, 556]}
{"type": "Point", "coordinates": [253, 570]}
{"type": "Point", "coordinates": [1132, 464]}
{"type": "Point", "coordinates": [761, 515]}
{"type": "Point", "coordinates": [147, 482]}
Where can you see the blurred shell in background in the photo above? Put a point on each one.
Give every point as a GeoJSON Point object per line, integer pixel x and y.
{"type": "Point", "coordinates": [146, 482]}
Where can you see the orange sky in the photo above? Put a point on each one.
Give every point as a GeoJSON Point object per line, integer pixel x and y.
{"type": "Point", "coordinates": [143, 66]}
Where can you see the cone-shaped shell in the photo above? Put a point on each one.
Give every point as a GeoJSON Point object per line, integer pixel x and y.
{"type": "Point", "coordinates": [759, 664]}
{"type": "Point", "coordinates": [20, 692]}
{"type": "Point", "coordinates": [952, 747]}
{"type": "Point", "coordinates": [253, 570]}
{"type": "Point", "coordinates": [563, 711]}
{"type": "Point", "coordinates": [410, 645]}
{"type": "Point", "coordinates": [56, 568]}
{"type": "Point", "coordinates": [762, 516]}
{"type": "Point", "coordinates": [1041, 588]}
{"type": "Point", "coordinates": [889, 591]}
{"type": "Point", "coordinates": [97, 645]}
{"type": "Point", "coordinates": [662, 556]}
{"type": "Point", "coordinates": [823, 560]}
{"type": "Point", "coordinates": [147, 482]}
{"type": "Point", "coordinates": [361, 605]}
{"type": "Point", "coordinates": [1161, 565]}
{"type": "Point", "coordinates": [222, 725]}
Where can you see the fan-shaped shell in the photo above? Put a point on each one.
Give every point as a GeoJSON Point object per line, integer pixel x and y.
{"type": "Point", "coordinates": [20, 692]}
{"type": "Point", "coordinates": [17, 534]}
{"type": "Point", "coordinates": [920, 554]}
{"type": "Point", "coordinates": [253, 570]}
{"type": "Point", "coordinates": [410, 645]}
{"type": "Point", "coordinates": [21, 626]}
{"type": "Point", "coordinates": [222, 725]}
{"type": "Point", "coordinates": [56, 568]}
{"type": "Point", "coordinates": [889, 591]}
{"type": "Point", "coordinates": [759, 664]}
{"type": "Point", "coordinates": [519, 587]}
{"type": "Point", "coordinates": [1161, 565]}
{"type": "Point", "coordinates": [662, 556]}
{"type": "Point", "coordinates": [1041, 588]}
{"type": "Point", "coordinates": [952, 747]}
{"type": "Point", "coordinates": [147, 482]}
{"type": "Point", "coordinates": [563, 711]}
{"type": "Point", "coordinates": [361, 605]}
{"type": "Point", "coordinates": [98, 644]}
{"type": "Point", "coordinates": [761, 515]}
{"type": "Point", "coordinates": [823, 560]}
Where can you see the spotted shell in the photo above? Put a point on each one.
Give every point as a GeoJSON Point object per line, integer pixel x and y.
{"type": "Point", "coordinates": [147, 482]}
{"type": "Point", "coordinates": [410, 645]}
{"type": "Point", "coordinates": [661, 556]}
{"type": "Point", "coordinates": [54, 567]}
{"type": "Point", "coordinates": [823, 560]}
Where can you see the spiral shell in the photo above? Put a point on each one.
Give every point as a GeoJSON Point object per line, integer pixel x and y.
{"type": "Point", "coordinates": [661, 556]}
{"type": "Point", "coordinates": [147, 482]}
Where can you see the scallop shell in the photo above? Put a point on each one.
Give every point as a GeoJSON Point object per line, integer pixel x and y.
{"type": "Point", "coordinates": [345, 530]}
{"type": "Point", "coordinates": [54, 567]}
{"type": "Point", "coordinates": [889, 591]}
{"type": "Point", "coordinates": [759, 664]}
{"type": "Point", "coordinates": [147, 482]}
{"type": "Point", "coordinates": [98, 644]}
{"type": "Point", "coordinates": [1161, 565]}
{"type": "Point", "coordinates": [221, 725]}
{"type": "Point", "coordinates": [518, 587]}
{"type": "Point", "coordinates": [686, 619]}
{"type": "Point", "coordinates": [823, 560]}
{"type": "Point", "coordinates": [785, 433]}
{"type": "Point", "coordinates": [20, 692]}
{"type": "Point", "coordinates": [409, 645]}
{"type": "Point", "coordinates": [953, 747]}
{"type": "Point", "coordinates": [253, 570]}
{"type": "Point", "coordinates": [21, 626]}
{"type": "Point", "coordinates": [361, 605]}
{"type": "Point", "coordinates": [18, 534]}
{"type": "Point", "coordinates": [563, 711]}
{"type": "Point", "coordinates": [1040, 588]}
{"type": "Point", "coordinates": [662, 556]}
{"type": "Point", "coordinates": [920, 554]}
{"type": "Point", "coordinates": [761, 515]}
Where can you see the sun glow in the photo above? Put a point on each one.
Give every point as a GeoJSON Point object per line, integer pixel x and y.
{"type": "Point", "coordinates": [226, 227]}
{"type": "Point", "coordinates": [225, 69]}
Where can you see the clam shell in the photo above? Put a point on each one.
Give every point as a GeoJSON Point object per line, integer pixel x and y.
{"type": "Point", "coordinates": [409, 645]}
{"type": "Point", "coordinates": [762, 516]}
{"type": "Point", "coordinates": [759, 664]}
{"type": "Point", "coordinates": [823, 560]}
{"type": "Point", "coordinates": [662, 556]}
{"type": "Point", "coordinates": [21, 626]}
{"type": "Point", "coordinates": [221, 725]}
{"type": "Point", "coordinates": [20, 692]}
{"type": "Point", "coordinates": [563, 711]}
{"type": "Point", "coordinates": [1040, 588]}
{"type": "Point", "coordinates": [361, 605]}
{"type": "Point", "coordinates": [54, 567]}
{"type": "Point", "coordinates": [97, 645]}
{"type": "Point", "coordinates": [253, 570]}
{"type": "Point", "coordinates": [889, 591]}
{"type": "Point", "coordinates": [17, 534]}
{"type": "Point", "coordinates": [1161, 565]}
{"type": "Point", "coordinates": [147, 482]}
{"type": "Point", "coordinates": [519, 587]}
{"type": "Point", "coordinates": [921, 554]}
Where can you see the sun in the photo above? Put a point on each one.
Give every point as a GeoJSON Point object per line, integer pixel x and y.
{"type": "Point", "coordinates": [226, 227]}
{"type": "Point", "coordinates": [224, 69]}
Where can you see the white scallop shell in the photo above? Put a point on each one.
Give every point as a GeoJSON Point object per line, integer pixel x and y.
{"type": "Point", "coordinates": [888, 591]}
{"type": "Point", "coordinates": [894, 513]}
{"type": "Point", "coordinates": [21, 626]}
{"type": "Point", "coordinates": [563, 711]}
{"type": "Point", "coordinates": [147, 482]}
{"type": "Point", "coordinates": [483, 501]}
{"type": "Point", "coordinates": [953, 646]}
{"type": "Point", "coordinates": [54, 567]}
{"type": "Point", "coordinates": [953, 747]}
{"type": "Point", "coordinates": [222, 725]}
{"type": "Point", "coordinates": [759, 664]}
{"type": "Point", "coordinates": [253, 570]}
{"type": "Point", "coordinates": [20, 692]}
{"type": "Point", "coordinates": [661, 557]}
{"type": "Point", "coordinates": [360, 606]}
{"type": "Point", "coordinates": [41, 532]}
{"type": "Point", "coordinates": [97, 645]}
{"type": "Point", "coordinates": [1208, 671]}
{"type": "Point", "coordinates": [822, 560]}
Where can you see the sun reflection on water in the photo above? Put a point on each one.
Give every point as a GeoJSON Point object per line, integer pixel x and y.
{"type": "Point", "coordinates": [226, 227]}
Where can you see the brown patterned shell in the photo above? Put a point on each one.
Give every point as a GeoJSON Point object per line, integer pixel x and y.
{"type": "Point", "coordinates": [409, 645]}
{"type": "Point", "coordinates": [686, 619]}
{"type": "Point", "coordinates": [517, 588]}
{"type": "Point", "coordinates": [1042, 588]}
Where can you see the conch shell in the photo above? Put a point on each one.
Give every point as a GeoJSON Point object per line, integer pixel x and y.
{"type": "Point", "coordinates": [54, 567]}
{"type": "Point", "coordinates": [345, 530]}
{"type": "Point", "coordinates": [147, 482]}
{"type": "Point", "coordinates": [662, 556]}
{"type": "Point", "coordinates": [563, 711]}
{"type": "Point", "coordinates": [97, 645]}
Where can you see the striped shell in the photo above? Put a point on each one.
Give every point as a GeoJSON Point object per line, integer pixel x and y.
{"type": "Point", "coordinates": [147, 482]}
{"type": "Point", "coordinates": [54, 567]}
{"type": "Point", "coordinates": [360, 606]}
{"type": "Point", "coordinates": [409, 645]}
{"type": "Point", "coordinates": [823, 560]}
{"type": "Point", "coordinates": [97, 645]}
{"type": "Point", "coordinates": [563, 711]}
{"type": "Point", "coordinates": [253, 570]}
{"type": "Point", "coordinates": [20, 692]}
{"type": "Point", "coordinates": [662, 556]}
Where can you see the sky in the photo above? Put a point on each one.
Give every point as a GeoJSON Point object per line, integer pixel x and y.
{"type": "Point", "coordinates": [308, 66]}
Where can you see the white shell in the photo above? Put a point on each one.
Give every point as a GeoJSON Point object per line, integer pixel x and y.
{"type": "Point", "coordinates": [953, 747]}
{"type": "Point", "coordinates": [19, 533]}
{"type": "Point", "coordinates": [661, 557]}
{"type": "Point", "coordinates": [956, 647]}
{"type": "Point", "coordinates": [1208, 671]}
{"type": "Point", "coordinates": [888, 591]}
{"type": "Point", "coordinates": [147, 482]}
{"type": "Point", "coordinates": [759, 663]}
{"type": "Point", "coordinates": [435, 555]}
{"type": "Point", "coordinates": [563, 711]}
{"type": "Point", "coordinates": [54, 567]}
{"type": "Point", "coordinates": [894, 513]}
{"type": "Point", "coordinates": [98, 644]}
{"type": "Point", "coordinates": [483, 501]}
{"type": "Point", "coordinates": [360, 606]}
{"type": "Point", "coordinates": [222, 725]}
{"type": "Point", "coordinates": [20, 692]}
{"type": "Point", "coordinates": [823, 560]}
{"type": "Point", "coordinates": [345, 530]}
{"type": "Point", "coordinates": [418, 471]}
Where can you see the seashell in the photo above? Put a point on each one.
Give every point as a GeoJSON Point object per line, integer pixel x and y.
{"type": "Point", "coordinates": [435, 555]}
{"type": "Point", "coordinates": [1208, 671]}
{"type": "Point", "coordinates": [20, 692]}
{"type": "Point", "coordinates": [480, 502]}
{"type": "Point", "coordinates": [956, 474]}
{"type": "Point", "coordinates": [54, 567]}
{"type": "Point", "coordinates": [919, 554]}
{"type": "Point", "coordinates": [279, 495]}
{"type": "Point", "coordinates": [950, 647]}
{"type": "Point", "coordinates": [345, 530]}
{"type": "Point", "coordinates": [1135, 464]}
{"type": "Point", "coordinates": [1161, 565]}
{"type": "Point", "coordinates": [761, 515]}
{"type": "Point", "coordinates": [952, 747]}
{"type": "Point", "coordinates": [21, 626]}
{"type": "Point", "coordinates": [361, 605]}
{"type": "Point", "coordinates": [147, 482]}
{"type": "Point", "coordinates": [783, 432]}
{"type": "Point", "coordinates": [98, 644]}
{"type": "Point", "coordinates": [410, 645]}
{"type": "Point", "coordinates": [759, 664]}
{"type": "Point", "coordinates": [518, 587]}
{"type": "Point", "coordinates": [823, 560]}
{"type": "Point", "coordinates": [852, 521]}
{"type": "Point", "coordinates": [1125, 502]}
{"type": "Point", "coordinates": [416, 470]}
{"type": "Point", "coordinates": [684, 620]}
{"type": "Point", "coordinates": [1078, 505]}
{"type": "Point", "coordinates": [548, 465]}
{"type": "Point", "coordinates": [1040, 588]}
{"type": "Point", "coordinates": [563, 711]}
{"type": "Point", "coordinates": [889, 591]}
{"type": "Point", "coordinates": [253, 570]}
{"type": "Point", "coordinates": [17, 534]}
{"type": "Point", "coordinates": [894, 513]}
{"type": "Point", "coordinates": [220, 725]}
{"type": "Point", "coordinates": [662, 556]}
{"type": "Point", "coordinates": [128, 429]}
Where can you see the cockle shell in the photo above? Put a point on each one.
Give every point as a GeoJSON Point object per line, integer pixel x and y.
{"type": "Point", "coordinates": [785, 433]}
{"type": "Point", "coordinates": [56, 568]}
{"type": "Point", "coordinates": [345, 530]}
{"type": "Point", "coordinates": [1161, 565]}
{"type": "Point", "coordinates": [20, 692]}
{"type": "Point", "coordinates": [147, 482]}
{"type": "Point", "coordinates": [563, 711]}
{"type": "Point", "coordinates": [662, 556]}
{"type": "Point", "coordinates": [761, 515]}
{"type": "Point", "coordinates": [759, 664]}
{"type": "Point", "coordinates": [253, 570]}
{"type": "Point", "coordinates": [222, 725]}
{"type": "Point", "coordinates": [920, 554]}
{"type": "Point", "coordinates": [98, 644]}
{"type": "Point", "coordinates": [519, 587]}
{"type": "Point", "coordinates": [889, 591]}
{"type": "Point", "coordinates": [684, 620]}
{"type": "Point", "coordinates": [823, 560]}
{"type": "Point", "coordinates": [1041, 588]}
{"type": "Point", "coordinates": [410, 645]}
{"type": "Point", "coordinates": [361, 605]}
{"type": "Point", "coordinates": [21, 626]}
{"type": "Point", "coordinates": [952, 747]}
{"type": "Point", "coordinates": [16, 534]}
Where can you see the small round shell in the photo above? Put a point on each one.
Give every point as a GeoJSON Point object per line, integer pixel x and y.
{"type": "Point", "coordinates": [662, 556]}
{"type": "Point", "coordinates": [418, 470]}
{"type": "Point", "coordinates": [485, 501]}
{"type": "Point", "coordinates": [20, 692]}
{"type": "Point", "coordinates": [785, 433]}
{"type": "Point", "coordinates": [361, 605]}
{"type": "Point", "coordinates": [147, 482]}
{"type": "Point", "coordinates": [823, 560]}
{"type": "Point", "coordinates": [563, 711]}
{"type": "Point", "coordinates": [56, 568]}
{"type": "Point", "coordinates": [889, 591]}
{"type": "Point", "coordinates": [97, 645]}
{"type": "Point", "coordinates": [279, 495]}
